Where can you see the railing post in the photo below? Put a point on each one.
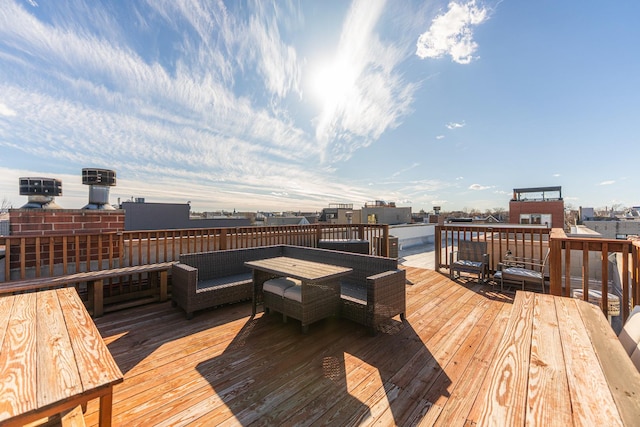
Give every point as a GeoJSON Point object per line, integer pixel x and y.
{"type": "Point", "coordinates": [223, 239]}
{"type": "Point", "coordinates": [318, 235]}
{"type": "Point", "coordinates": [438, 247]}
{"type": "Point", "coordinates": [385, 240]}
{"type": "Point", "coordinates": [555, 261]}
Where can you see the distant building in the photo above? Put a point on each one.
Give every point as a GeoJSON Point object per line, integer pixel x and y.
{"type": "Point", "coordinates": [286, 220]}
{"type": "Point", "coordinates": [537, 206]}
{"type": "Point", "coordinates": [171, 216]}
{"type": "Point", "coordinates": [338, 213]}
{"type": "Point", "coordinates": [380, 212]}
{"type": "Point", "coordinates": [613, 228]}
{"type": "Point", "coordinates": [4, 224]}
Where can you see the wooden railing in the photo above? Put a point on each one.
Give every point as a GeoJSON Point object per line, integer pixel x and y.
{"type": "Point", "coordinates": [47, 256]}
{"type": "Point", "coordinates": [608, 253]}
{"type": "Point", "coordinates": [575, 262]}
{"type": "Point", "coordinates": [522, 241]}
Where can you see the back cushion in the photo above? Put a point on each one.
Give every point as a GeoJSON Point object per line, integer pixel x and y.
{"type": "Point", "coordinates": [230, 262]}
{"type": "Point", "coordinates": [363, 265]}
{"type": "Point", "coordinates": [630, 334]}
{"type": "Point", "coordinates": [471, 251]}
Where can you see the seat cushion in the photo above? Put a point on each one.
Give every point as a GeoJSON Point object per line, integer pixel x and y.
{"type": "Point", "coordinates": [293, 293]}
{"type": "Point", "coordinates": [467, 264]}
{"type": "Point", "coordinates": [235, 280]}
{"type": "Point", "coordinates": [517, 273]}
{"type": "Point", "coordinates": [279, 285]}
{"type": "Point", "coordinates": [630, 334]}
{"type": "Point", "coordinates": [353, 292]}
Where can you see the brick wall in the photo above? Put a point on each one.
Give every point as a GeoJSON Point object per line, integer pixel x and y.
{"type": "Point", "coordinates": [40, 222]}
{"type": "Point", "coordinates": [65, 239]}
{"type": "Point", "coordinates": [553, 207]}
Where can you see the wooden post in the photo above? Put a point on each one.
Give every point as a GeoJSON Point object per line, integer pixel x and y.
{"type": "Point", "coordinates": [96, 297]}
{"type": "Point", "coordinates": [223, 239]}
{"type": "Point", "coordinates": [385, 240]}
{"type": "Point", "coordinates": [555, 261]}
{"type": "Point", "coordinates": [163, 285]}
{"type": "Point", "coordinates": [438, 244]}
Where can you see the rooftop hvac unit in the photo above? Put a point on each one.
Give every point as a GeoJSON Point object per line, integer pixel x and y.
{"type": "Point", "coordinates": [41, 192]}
{"type": "Point", "coordinates": [99, 181]}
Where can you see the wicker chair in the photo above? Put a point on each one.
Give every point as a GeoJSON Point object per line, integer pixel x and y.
{"type": "Point", "coordinates": [471, 257]}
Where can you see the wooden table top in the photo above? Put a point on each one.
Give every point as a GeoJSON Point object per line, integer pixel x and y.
{"type": "Point", "coordinates": [50, 353]}
{"type": "Point", "coordinates": [307, 271]}
{"type": "Point", "coordinates": [560, 363]}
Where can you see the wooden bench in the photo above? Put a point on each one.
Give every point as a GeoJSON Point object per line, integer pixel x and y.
{"type": "Point", "coordinates": [95, 279]}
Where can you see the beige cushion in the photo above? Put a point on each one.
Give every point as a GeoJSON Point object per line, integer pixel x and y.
{"type": "Point", "coordinates": [630, 334]}
{"type": "Point", "coordinates": [279, 285]}
{"type": "Point", "coordinates": [293, 293]}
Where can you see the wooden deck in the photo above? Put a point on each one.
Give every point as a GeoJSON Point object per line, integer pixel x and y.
{"type": "Point", "coordinates": [224, 367]}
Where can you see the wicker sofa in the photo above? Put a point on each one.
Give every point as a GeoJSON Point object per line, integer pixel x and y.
{"type": "Point", "coordinates": [209, 279]}
{"type": "Point", "coordinates": [373, 293]}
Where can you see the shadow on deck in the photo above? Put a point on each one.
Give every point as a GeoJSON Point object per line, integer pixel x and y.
{"type": "Point", "coordinates": [227, 367]}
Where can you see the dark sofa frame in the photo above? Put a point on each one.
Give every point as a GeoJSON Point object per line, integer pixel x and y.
{"type": "Point", "coordinates": [371, 294]}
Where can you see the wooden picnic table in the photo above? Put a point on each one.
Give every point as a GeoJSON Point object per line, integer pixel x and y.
{"type": "Point", "coordinates": [52, 358]}
{"type": "Point", "coordinates": [559, 363]}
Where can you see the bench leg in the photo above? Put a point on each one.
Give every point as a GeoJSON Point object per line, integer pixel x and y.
{"type": "Point", "coordinates": [158, 280]}
{"type": "Point", "coordinates": [96, 297]}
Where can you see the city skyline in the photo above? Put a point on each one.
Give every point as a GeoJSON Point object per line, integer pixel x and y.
{"type": "Point", "coordinates": [295, 106]}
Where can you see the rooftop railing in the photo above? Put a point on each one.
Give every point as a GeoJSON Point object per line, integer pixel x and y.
{"type": "Point", "coordinates": [56, 255]}
{"type": "Point", "coordinates": [583, 263]}
{"type": "Point", "coordinates": [48, 256]}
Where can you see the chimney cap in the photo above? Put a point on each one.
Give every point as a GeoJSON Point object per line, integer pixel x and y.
{"type": "Point", "coordinates": [94, 176]}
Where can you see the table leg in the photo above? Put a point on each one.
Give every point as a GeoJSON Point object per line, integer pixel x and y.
{"type": "Point", "coordinates": [106, 406]}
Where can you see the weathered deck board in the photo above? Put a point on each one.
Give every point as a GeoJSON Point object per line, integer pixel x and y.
{"type": "Point", "coordinates": [224, 367]}
{"type": "Point", "coordinates": [547, 369]}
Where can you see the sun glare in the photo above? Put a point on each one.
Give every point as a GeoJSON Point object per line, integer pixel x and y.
{"type": "Point", "coordinates": [333, 82]}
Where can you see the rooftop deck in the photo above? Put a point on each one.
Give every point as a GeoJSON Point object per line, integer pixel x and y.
{"type": "Point", "coordinates": [224, 367]}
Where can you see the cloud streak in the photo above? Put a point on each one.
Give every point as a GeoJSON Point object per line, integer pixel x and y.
{"type": "Point", "coordinates": [375, 97]}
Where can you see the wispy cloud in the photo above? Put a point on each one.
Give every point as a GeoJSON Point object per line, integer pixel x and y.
{"type": "Point", "coordinates": [455, 125]}
{"type": "Point", "coordinates": [6, 111]}
{"type": "Point", "coordinates": [440, 137]}
{"type": "Point", "coordinates": [609, 182]}
{"type": "Point", "coordinates": [451, 33]}
{"type": "Point", "coordinates": [407, 169]}
{"type": "Point", "coordinates": [479, 187]}
{"type": "Point", "coordinates": [374, 96]}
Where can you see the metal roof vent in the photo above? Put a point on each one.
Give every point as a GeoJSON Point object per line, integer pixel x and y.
{"type": "Point", "coordinates": [99, 181]}
{"type": "Point", "coordinates": [41, 191]}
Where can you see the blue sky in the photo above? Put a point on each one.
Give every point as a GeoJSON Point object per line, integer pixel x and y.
{"type": "Point", "coordinates": [296, 105]}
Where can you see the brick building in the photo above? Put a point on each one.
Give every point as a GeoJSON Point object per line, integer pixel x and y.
{"type": "Point", "coordinates": [538, 206]}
